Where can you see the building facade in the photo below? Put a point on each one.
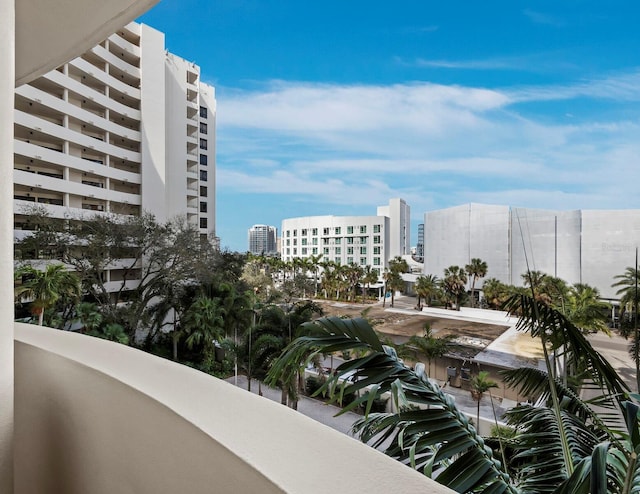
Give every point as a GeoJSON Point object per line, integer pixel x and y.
{"type": "Point", "coordinates": [361, 240]}
{"type": "Point", "coordinates": [125, 128]}
{"type": "Point", "coordinates": [262, 239]}
{"type": "Point", "coordinates": [579, 246]}
{"type": "Point", "coordinates": [420, 243]}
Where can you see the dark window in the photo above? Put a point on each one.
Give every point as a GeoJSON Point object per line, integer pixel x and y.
{"type": "Point", "coordinates": [203, 222]}
{"type": "Point", "coordinates": [203, 175]}
{"type": "Point", "coordinates": [203, 112]}
{"type": "Point", "coordinates": [203, 159]}
{"type": "Point", "coordinates": [203, 207]}
{"type": "Point", "coordinates": [203, 127]}
{"type": "Point", "coordinates": [203, 191]}
{"type": "Point", "coordinates": [203, 144]}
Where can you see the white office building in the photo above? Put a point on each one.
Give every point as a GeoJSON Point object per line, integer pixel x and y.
{"type": "Point", "coordinates": [126, 127]}
{"type": "Point", "coordinates": [579, 246]}
{"type": "Point", "coordinates": [360, 240]}
{"type": "Point", "coordinates": [263, 240]}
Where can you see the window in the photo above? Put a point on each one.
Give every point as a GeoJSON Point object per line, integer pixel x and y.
{"type": "Point", "coordinates": [288, 233]}
{"type": "Point", "coordinates": [203, 222]}
{"type": "Point", "coordinates": [314, 231]}
{"type": "Point", "coordinates": [203, 191]}
{"type": "Point", "coordinates": [315, 241]}
{"type": "Point", "coordinates": [203, 159]}
{"type": "Point", "coordinates": [295, 233]}
{"type": "Point", "coordinates": [304, 232]}
{"type": "Point", "coordinates": [304, 251]}
{"type": "Point", "coordinates": [325, 251]}
{"type": "Point", "coordinates": [338, 230]}
{"type": "Point", "coordinates": [288, 251]}
{"type": "Point", "coordinates": [349, 229]}
{"type": "Point", "coordinates": [363, 261]}
{"type": "Point", "coordinates": [349, 250]}
{"type": "Point", "coordinates": [314, 251]}
{"type": "Point", "coordinates": [288, 241]}
{"type": "Point", "coordinates": [325, 231]}
{"type": "Point", "coordinates": [203, 207]}
{"type": "Point", "coordinates": [349, 240]}
{"type": "Point", "coordinates": [203, 112]}
{"type": "Point", "coordinates": [349, 260]}
{"type": "Point", "coordinates": [325, 241]}
{"type": "Point", "coordinates": [203, 175]}
{"type": "Point", "coordinates": [376, 228]}
{"type": "Point", "coordinates": [338, 241]}
{"type": "Point", "coordinates": [295, 251]}
{"type": "Point", "coordinates": [304, 241]}
{"type": "Point", "coordinates": [338, 250]}
{"type": "Point", "coordinates": [363, 229]}
{"type": "Point", "coordinates": [376, 250]}
{"type": "Point", "coordinates": [295, 241]}
{"type": "Point", "coordinates": [376, 239]}
{"type": "Point", "coordinates": [376, 261]}
{"type": "Point", "coordinates": [203, 144]}
{"type": "Point", "coordinates": [203, 127]}
{"type": "Point", "coordinates": [363, 250]}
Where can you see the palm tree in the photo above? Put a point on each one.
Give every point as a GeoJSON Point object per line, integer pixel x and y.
{"type": "Point", "coordinates": [477, 268]}
{"type": "Point", "coordinates": [47, 287]}
{"type": "Point", "coordinates": [495, 293]}
{"type": "Point", "coordinates": [432, 347]}
{"type": "Point", "coordinates": [369, 276]}
{"type": "Point", "coordinates": [564, 446]}
{"type": "Point", "coordinates": [426, 287]}
{"type": "Point", "coordinates": [480, 384]}
{"type": "Point", "coordinates": [627, 285]}
{"type": "Point", "coordinates": [454, 282]}
{"type": "Point", "coordinates": [315, 264]}
{"type": "Point", "coordinates": [203, 323]}
{"type": "Point", "coordinates": [584, 308]}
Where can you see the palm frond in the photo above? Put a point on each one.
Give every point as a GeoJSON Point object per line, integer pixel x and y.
{"type": "Point", "coordinates": [438, 441]}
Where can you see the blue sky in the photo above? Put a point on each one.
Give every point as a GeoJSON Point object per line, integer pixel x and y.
{"type": "Point", "coordinates": [336, 107]}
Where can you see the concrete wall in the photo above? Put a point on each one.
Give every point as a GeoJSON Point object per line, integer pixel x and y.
{"type": "Point", "coordinates": [95, 416]}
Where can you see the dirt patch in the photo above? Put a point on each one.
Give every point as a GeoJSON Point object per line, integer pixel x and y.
{"type": "Point", "coordinates": [401, 326]}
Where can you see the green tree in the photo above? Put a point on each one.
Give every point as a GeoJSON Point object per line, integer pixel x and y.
{"type": "Point", "coordinates": [454, 283]}
{"type": "Point", "coordinates": [203, 323]}
{"type": "Point", "coordinates": [477, 268]}
{"type": "Point", "coordinates": [495, 293]}
{"type": "Point", "coordinates": [480, 384]}
{"type": "Point", "coordinates": [44, 288]}
{"type": "Point", "coordinates": [564, 446]}
{"type": "Point", "coordinates": [369, 276]}
{"type": "Point", "coordinates": [627, 285]}
{"type": "Point", "coordinates": [430, 346]}
{"type": "Point", "coordinates": [426, 287]}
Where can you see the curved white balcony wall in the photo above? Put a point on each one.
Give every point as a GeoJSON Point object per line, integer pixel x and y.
{"type": "Point", "coordinates": [125, 45]}
{"type": "Point", "coordinates": [109, 80]}
{"type": "Point", "coordinates": [95, 416]}
{"type": "Point", "coordinates": [33, 151]}
{"type": "Point", "coordinates": [110, 58]}
{"type": "Point", "coordinates": [41, 125]}
{"type": "Point", "coordinates": [48, 36]}
{"type": "Point", "coordinates": [91, 94]}
{"type": "Point", "coordinates": [69, 187]}
{"type": "Point", "coordinates": [39, 96]}
{"type": "Point", "coordinates": [115, 286]}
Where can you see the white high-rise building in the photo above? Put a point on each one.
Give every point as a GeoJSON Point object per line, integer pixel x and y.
{"type": "Point", "coordinates": [361, 240]}
{"type": "Point", "coordinates": [262, 239]}
{"type": "Point", "coordinates": [127, 127]}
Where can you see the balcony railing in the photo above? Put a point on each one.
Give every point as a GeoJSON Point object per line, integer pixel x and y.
{"type": "Point", "coordinates": [95, 416]}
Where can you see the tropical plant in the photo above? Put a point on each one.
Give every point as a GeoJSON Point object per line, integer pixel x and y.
{"type": "Point", "coordinates": [454, 282]}
{"type": "Point", "coordinates": [628, 291]}
{"type": "Point", "coordinates": [563, 446]}
{"type": "Point", "coordinates": [495, 293]}
{"type": "Point", "coordinates": [426, 287]}
{"type": "Point", "coordinates": [477, 268]}
{"type": "Point", "coordinates": [203, 323]}
{"type": "Point", "coordinates": [44, 288]}
{"type": "Point", "coordinates": [480, 384]}
{"type": "Point", "coordinates": [584, 308]}
{"type": "Point", "coordinates": [369, 276]}
{"type": "Point", "coordinates": [427, 345]}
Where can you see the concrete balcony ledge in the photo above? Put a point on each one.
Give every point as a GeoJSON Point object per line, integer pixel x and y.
{"type": "Point", "coordinates": [95, 416]}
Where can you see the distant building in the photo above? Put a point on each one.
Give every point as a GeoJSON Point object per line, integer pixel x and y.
{"type": "Point", "coordinates": [579, 246]}
{"type": "Point", "coordinates": [360, 240]}
{"type": "Point", "coordinates": [420, 244]}
{"type": "Point", "coordinates": [262, 239]}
